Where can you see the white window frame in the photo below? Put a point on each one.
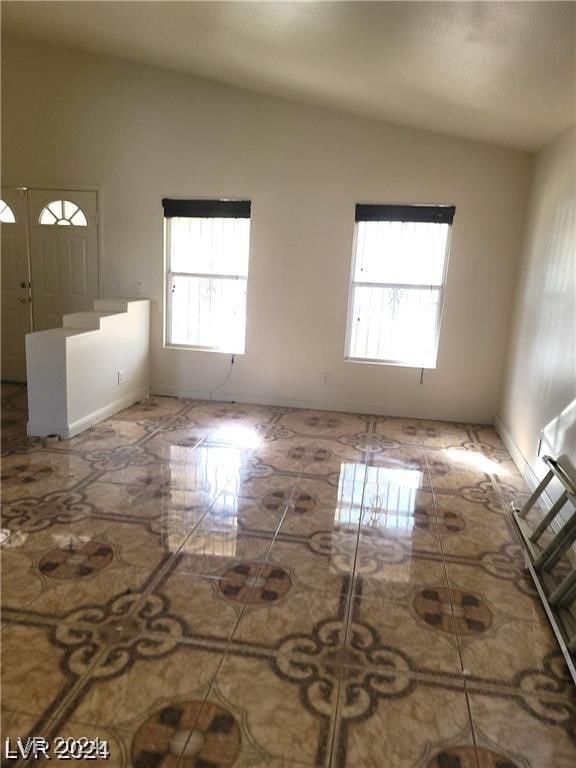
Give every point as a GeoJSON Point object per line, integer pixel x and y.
{"type": "Point", "coordinates": [168, 275]}
{"type": "Point", "coordinates": [422, 286]}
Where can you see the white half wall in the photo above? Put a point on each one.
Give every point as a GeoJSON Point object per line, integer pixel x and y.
{"type": "Point", "coordinates": [540, 377]}
{"type": "Point", "coordinates": [94, 367]}
{"type": "Point", "coordinates": [139, 133]}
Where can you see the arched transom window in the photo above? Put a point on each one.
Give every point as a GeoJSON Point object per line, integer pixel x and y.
{"type": "Point", "coordinates": [6, 213]}
{"type": "Point", "coordinates": [64, 213]}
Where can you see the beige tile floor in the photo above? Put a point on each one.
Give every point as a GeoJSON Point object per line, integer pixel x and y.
{"type": "Point", "coordinates": [208, 585]}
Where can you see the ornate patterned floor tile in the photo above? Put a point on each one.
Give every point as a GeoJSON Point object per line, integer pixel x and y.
{"type": "Point", "coordinates": [174, 453]}
{"type": "Point", "coordinates": [276, 487]}
{"type": "Point", "coordinates": [505, 469]}
{"type": "Point", "coordinates": [209, 584]}
{"type": "Point", "coordinates": [146, 545]}
{"type": "Point", "coordinates": [281, 616]}
{"type": "Point", "coordinates": [202, 477]}
{"type": "Point", "coordinates": [40, 473]}
{"type": "Point", "coordinates": [451, 478]}
{"type": "Point", "coordinates": [391, 559]}
{"type": "Point", "coordinates": [15, 724]}
{"type": "Point", "coordinates": [466, 755]}
{"type": "Point", "coordinates": [167, 737]}
{"type": "Point", "coordinates": [33, 680]}
{"type": "Point", "coordinates": [399, 721]}
{"type": "Point", "coordinates": [453, 612]}
{"type": "Point", "coordinates": [156, 507]}
{"type": "Point", "coordinates": [403, 488]}
{"type": "Point", "coordinates": [393, 635]}
{"type": "Point", "coordinates": [202, 604]}
{"type": "Point", "coordinates": [516, 653]}
{"type": "Point", "coordinates": [404, 431]}
{"type": "Point", "coordinates": [232, 510]}
{"type": "Point", "coordinates": [11, 390]}
{"type": "Point", "coordinates": [281, 711]}
{"type": "Point", "coordinates": [415, 530]}
{"type": "Point", "coordinates": [329, 492]}
{"type": "Point", "coordinates": [475, 540]}
{"type": "Point", "coordinates": [221, 414]}
{"type": "Point", "coordinates": [324, 457]}
{"type": "Point", "coordinates": [487, 435]}
{"type": "Point", "coordinates": [100, 497]}
{"type": "Point", "coordinates": [130, 685]}
{"type": "Point", "coordinates": [530, 733]}
{"type": "Point", "coordinates": [503, 586]}
{"type": "Point", "coordinates": [442, 434]}
{"type": "Point", "coordinates": [152, 409]}
{"type": "Point", "coordinates": [206, 733]}
{"type": "Point", "coordinates": [259, 760]}
{"type": "Point", "coordinates": [433, 434]}
{"type": "Point", "coordinates": [485, 494]}
{"type": "Point", "coordinates": [177, 434]}
{"type": "Point", "coordinates": [212, 551]}
{"type": "Point", "coordinates": [281, 456]}
{"type": "Point", "coordinates": [325, 423]}
{"type": "Point", "coordinates": [111, 740]}
{"type": "Point", "coordinates": [109, 434]}
{"type": "Point", "coordinates": [468, 506]}
{"type": "Point", "coordinates": [17, 399]}
{"type": "Point", "coordinates": [35, 563]}
{"type": "Point", "coordinates": [304, 516]}
{"type": "Point", "coordinates": [512, 488]}
{"type": "Point", "coordinates": [402, 466]}
{"type": "Point", "coordinates": [318, 561]}
{"type": "Point", "coordinates": [398, 581]}
{"type": "Point", "coordinates": [85, 575]}
{"type": "Point", "coordinates": [13, 422]}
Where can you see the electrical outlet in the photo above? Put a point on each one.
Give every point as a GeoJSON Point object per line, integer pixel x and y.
{"type": "Point", "coordinates": [121, 376]}
{"type": "Point", "coordinates": [325, 379]}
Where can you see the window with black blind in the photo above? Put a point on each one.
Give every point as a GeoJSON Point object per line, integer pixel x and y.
{"type": "Point", "coordinates": [397, 283]}
{"type": "Point", "coordinates": [207, 249]}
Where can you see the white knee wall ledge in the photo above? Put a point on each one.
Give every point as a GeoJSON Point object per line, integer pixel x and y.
{"type": "Point", "coordinates": [94, 366]}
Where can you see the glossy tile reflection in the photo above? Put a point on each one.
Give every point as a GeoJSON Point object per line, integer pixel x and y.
{"type": "Point", "coordinates": [219, 584]}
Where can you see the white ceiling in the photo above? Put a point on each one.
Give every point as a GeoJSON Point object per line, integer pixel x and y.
{"type": "Point", "coordinates": [502, 72]}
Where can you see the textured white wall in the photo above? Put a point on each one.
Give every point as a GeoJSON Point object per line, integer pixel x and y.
{"type": "Point", "coordinates": [139, 133]}
{"type": "Point", "coordinates": [540, 380]}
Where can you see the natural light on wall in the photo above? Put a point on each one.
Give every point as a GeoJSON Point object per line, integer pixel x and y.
{"type": "Point", "coordinates": [396, 289]}
{"type": "Point", "coordinates": [207, 271]}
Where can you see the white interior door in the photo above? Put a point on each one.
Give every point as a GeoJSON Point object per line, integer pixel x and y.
{"type": "Point", "coordinates": [63, 253]}
{"type": "Point", "coordinates": [15, 283]}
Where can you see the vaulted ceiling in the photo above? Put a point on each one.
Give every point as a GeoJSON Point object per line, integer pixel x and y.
{"type": "Point", "coordinates": [502, 72]}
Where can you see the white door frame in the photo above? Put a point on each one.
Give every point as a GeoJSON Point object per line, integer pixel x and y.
{"type": "Point", "coordinates": [17, 298]}
{"type": "Point", "coordinates": [24, 188]}
{"type": "Point", "coordinates": [44, 187]}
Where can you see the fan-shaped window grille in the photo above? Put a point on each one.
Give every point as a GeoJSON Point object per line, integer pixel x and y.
{"type": "Point", "coordinates": [6, 213]}
{"type": "Point", "coordinates": [64, 213]}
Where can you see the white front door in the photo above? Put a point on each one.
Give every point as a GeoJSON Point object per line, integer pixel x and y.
{"type": "Point", "coordinates": [63, 254]}
{"type": "Point", "coordinates": [15, 283]}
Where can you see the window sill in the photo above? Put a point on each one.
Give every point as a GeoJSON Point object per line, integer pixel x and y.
{"type": "Point", "coordinates": [188, 348]}
{"type": "Point", "coordinates": [394, 363]}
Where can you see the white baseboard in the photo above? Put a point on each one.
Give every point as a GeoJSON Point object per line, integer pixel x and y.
{"type": "Point", "coordinates": [528, 472]}
{"type": "Point", "coordinates": [510, 445]}
{"type": "Point", "coordinates": [66, 431]}
{"type": "Point", "coordinates": [320, 405]}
